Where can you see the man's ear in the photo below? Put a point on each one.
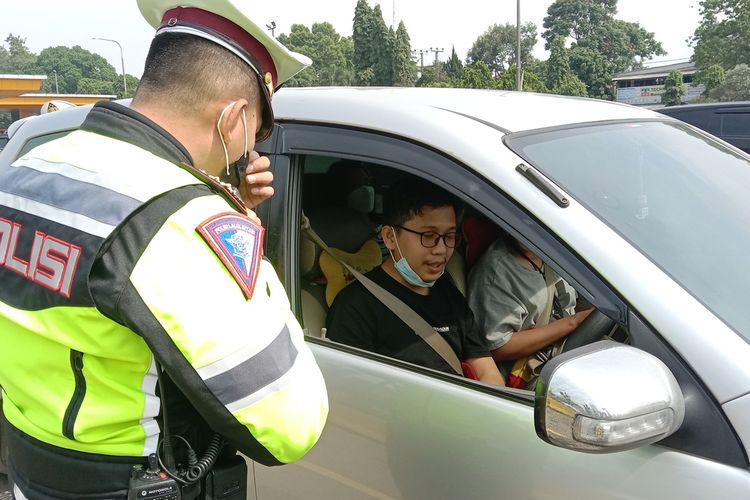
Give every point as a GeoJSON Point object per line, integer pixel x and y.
{"type": "Point", "coordinates": [232, 118]}
{"type": "Point", "coordinates": [388, 233]}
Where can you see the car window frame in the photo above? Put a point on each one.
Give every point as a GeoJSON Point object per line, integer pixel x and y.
{"type": "Point", "coordinates": [296, 139]}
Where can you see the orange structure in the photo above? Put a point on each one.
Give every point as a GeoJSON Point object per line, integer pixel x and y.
{"type": "Point", "coordinates": [19, 95]}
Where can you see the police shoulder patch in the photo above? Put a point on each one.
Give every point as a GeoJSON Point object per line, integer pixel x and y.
{"type": "Point", "coordinates": [238, 242]}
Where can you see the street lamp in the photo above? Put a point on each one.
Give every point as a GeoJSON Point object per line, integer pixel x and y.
{"type": "Point", "coordinates": [518, 45]}
{"type": "Point", "coordinates": [57, 90]}
{"type": "Point", "coordinates": [122, 61]}
{"type": "Point", "coordinates": [272, 28]}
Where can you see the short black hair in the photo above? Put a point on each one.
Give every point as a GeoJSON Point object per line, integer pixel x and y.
{"type": "Point", "coordinates": [191, 71]}
{"type": "Point", "coordinates": [409, 196]}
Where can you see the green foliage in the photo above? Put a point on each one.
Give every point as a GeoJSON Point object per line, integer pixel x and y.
{"type": "Point", "coordinates": [76, 70]}
{"type": "Point", "coordinates": [79, 71]}
{"type": "Point", "coordinates": [364, 33]}
{"type": "Point", "coordinates": [496, 47]}
{"type": "Point", "coordinates": [577, 19]}
{"type": "Point", "coordinates": [381, 56]}
{"type": "Point", "coordinates": [593, 69]}
{"type": "Point", "coordinates": [711, 77]}
{"type": "Point", "coordinates": [454, 67]}
{"type": "Point", "coordinates": [17, 59]}
{"type": "Point", "coordinates": [435, 76]}
{"type": "Point", "coordinates": [571, 85]}
{"type": "Point", "coordinates": [674, 89]}
{"type": "Point", "coordinates": [559, 78]}
{"type": "Point", "coordinates": [404, 69]}
{"type": "Point", "coordinates": [330, 52]}
{"type": "Point", "coordinates": [723, 35]}
{"type": "Point", "coordinates": [530, 81]}
{"type": "Point", "coordinates": [735, 87]}
{"type": "Point", "coordinates": [477, 76]}
{"type": "Point", "coordinates": [558, 64]}
{"type": "Point", "coordinates": [383, 46]}
{"type": "Point", "coordinates": [601, 45]}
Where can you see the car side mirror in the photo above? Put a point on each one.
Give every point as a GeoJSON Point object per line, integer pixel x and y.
{"type": "Point", "coordinates": [606, 397]}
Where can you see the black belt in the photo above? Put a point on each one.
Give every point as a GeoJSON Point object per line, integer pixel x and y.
{"type": "Point", "coordinates": [46, 472]}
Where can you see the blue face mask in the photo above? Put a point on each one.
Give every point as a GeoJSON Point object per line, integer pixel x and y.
{"type": "Point", "coordinates": [405, 270]}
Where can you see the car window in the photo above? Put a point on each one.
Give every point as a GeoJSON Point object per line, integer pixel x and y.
{"type": "Point", "coordinates": [680, 197]}
{"type": "Point", "coordinates": [699, 118]}
{"type": "Point", "coordinates": [735, 124]}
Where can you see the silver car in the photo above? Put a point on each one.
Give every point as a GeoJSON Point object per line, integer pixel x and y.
{"type": "Point", "coordinates": [647, 217]}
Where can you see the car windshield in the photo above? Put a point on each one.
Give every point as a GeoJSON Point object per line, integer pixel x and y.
{"type": "Point", "coordinates": [682, 198]}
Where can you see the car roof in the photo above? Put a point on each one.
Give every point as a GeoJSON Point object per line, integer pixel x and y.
{"type": "Point", "coordinates": [744, 105]}
{"type": "Point", "coordinates": [406, 111]}
{"type": "Point", "coordinates": [508, 111]}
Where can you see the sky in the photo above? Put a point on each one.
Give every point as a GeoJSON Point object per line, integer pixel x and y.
{"type": "Point", "coordinates": [439, 24]}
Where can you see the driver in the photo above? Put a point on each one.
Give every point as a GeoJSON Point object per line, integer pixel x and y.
{"type": "Point", "coordinates": [522, 307]}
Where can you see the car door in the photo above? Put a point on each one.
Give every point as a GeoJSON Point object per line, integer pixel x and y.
{"type": "Point", "coordinates": [399, 431]}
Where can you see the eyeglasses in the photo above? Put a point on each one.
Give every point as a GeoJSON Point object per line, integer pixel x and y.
{"type": "Point", "coordinates": [430, 239]}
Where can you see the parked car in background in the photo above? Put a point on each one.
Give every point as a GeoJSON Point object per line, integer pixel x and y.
{"type": "Point", "coordinates": [3, 141]}
{"type": "Point", "coordinates": [729, 121]}
{"type": "Point", "coordinates": [645, 216]}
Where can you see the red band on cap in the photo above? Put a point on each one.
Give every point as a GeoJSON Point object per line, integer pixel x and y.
{"type": "Point", "coordinates": [199, 17]}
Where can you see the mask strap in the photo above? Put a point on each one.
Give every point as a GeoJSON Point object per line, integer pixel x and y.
{"type": "Point", "coordinates": [397, 246]}
{"type": "Point", "coordinates": [221, 137]}
{"type": "Point", "coordinates": [244, 127]}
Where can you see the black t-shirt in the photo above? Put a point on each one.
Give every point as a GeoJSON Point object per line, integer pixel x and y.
{"type": "Point", "coordinates": [357, 318]}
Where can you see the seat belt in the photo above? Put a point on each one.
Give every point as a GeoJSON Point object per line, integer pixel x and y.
{"type": "Point", "coordinates": [408, 315]}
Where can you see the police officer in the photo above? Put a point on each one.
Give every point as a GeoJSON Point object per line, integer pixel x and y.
{"type": "Point", "coordinates": [133, 290]}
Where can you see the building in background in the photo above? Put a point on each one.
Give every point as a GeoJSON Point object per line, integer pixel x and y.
{"type": "Point", "coordinates": [19, 96]}
{"type": "Point", "coordinates": [644, 87]}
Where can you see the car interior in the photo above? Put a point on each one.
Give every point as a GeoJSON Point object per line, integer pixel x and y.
{"type": "Point", "coordinates": [327, 213]}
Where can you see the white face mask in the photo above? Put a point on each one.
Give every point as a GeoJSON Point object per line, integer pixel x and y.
{"type": "Point", "coordinates": [235, 170]}
{"type": "Point", "coordinates": [362, 199]}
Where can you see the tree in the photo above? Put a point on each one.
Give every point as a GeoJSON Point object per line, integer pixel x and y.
{"type": "Point", "coordinates": [363, 35]}
{"type": "Point", "coordinates": [404, 69]}
{"type": "Point", "coordinates": [601, 45]}
{"type": "Point", "coordinates": [78, 71]}
{"type": "Point", "coordinates": [736, 85]}
{"type": "Point", "coordinates": [576, 19]}
{"type": "Point", "coordinates": [593, 69]}
{"type": "Point", "coordinates": [674, 89]}
{"type": "Point", "coordinates": [723, 35]}
{"type": "Point", "coordinates": [711, 77]}
{"type": "Point", "coordinates": [477, 76]}
{"type": "Point", "coordinates": [454, 67]}
{"type": "Point", "coordinates": [383, 46]}
{"type": "Point", "coordinates": [496, 47]}
{"type": "Point", "coordinates": [16, 59]}
{"type": "Point", "coordinates": [436, 76]}
{"type": "Point", "coordinates": [330, 52]}
{"type": "Point", "coordinates": [530, 81]}
{"type": "Point", "coordinates": [559, 78]}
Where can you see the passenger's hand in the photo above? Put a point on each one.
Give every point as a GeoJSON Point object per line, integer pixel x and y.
{"type": "Point", "coordinates": [255, 187]}
{"type": "Point", "coordinates": [577, 318]}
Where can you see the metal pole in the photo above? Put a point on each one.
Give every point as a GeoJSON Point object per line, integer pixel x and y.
{"type": "Point", "coordinates": [122, 61]}
{"type": "Point", "coordinates": [57, 90]}
{"type": "Point", "coordinates": [518, 45]}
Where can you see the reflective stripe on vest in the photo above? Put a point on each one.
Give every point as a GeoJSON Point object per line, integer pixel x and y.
{"type": "Point", "coordinates": [73, 377]}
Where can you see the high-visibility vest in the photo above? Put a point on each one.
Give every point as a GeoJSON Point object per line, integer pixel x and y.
{"type": "Point", "coordinates": [78, 371]}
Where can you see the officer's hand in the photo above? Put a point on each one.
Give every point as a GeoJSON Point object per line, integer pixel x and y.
{"type": "Point", "coordinates": [255, 187]}
{"type": "Point", "coordinates": [254, 217]}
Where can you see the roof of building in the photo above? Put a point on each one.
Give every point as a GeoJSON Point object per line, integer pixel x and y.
{"type": "Point", "coordinates": [656, 71]}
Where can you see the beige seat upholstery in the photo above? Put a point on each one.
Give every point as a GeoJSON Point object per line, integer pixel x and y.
{"type": "Point", "coordinates": [456, 269]}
